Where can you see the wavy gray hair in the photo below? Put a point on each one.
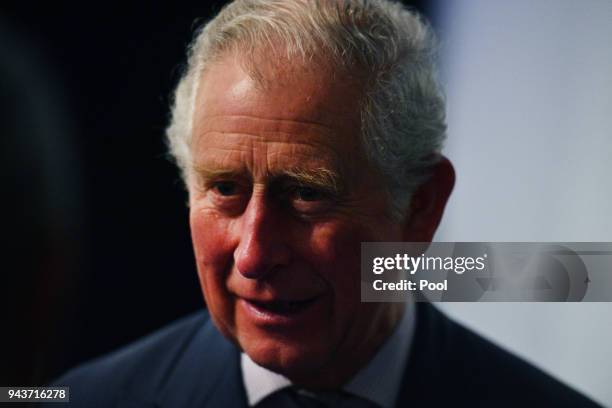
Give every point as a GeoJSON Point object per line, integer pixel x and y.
{"type": "Point", "coordinates": [403, 110]}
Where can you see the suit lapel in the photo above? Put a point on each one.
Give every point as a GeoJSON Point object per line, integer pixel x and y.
{"type": "Point", "coordinates": [423, 374]}
{"type": "Point", "coordinates": [206, 375]}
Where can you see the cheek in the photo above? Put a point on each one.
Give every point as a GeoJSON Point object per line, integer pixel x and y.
{"type": "Point", "coordinates": [336, 249]}
{"type": "Point", "coordinates": [213, 251]}
{"type": "Point", "coordinates": [210, 238]}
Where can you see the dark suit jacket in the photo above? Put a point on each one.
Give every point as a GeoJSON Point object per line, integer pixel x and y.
{"type": "Point", "coordinates": [189, 364]}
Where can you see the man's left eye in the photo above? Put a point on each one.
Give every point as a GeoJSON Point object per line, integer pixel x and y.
{"type": "Point", "coordinates": [308, 194]}
{"type": "Point", "coordinates": [309, 200]}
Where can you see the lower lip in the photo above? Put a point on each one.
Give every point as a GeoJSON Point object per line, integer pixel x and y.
{"type": "Point", "coordinates": [268, 317]}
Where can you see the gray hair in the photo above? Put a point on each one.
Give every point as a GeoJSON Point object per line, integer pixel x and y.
{"type": "Point", "coordinates": [403, 110]}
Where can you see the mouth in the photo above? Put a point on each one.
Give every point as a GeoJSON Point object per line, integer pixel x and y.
{"type": "Point", "coordinates": [279, 311]}
{"type": "Point", "coordinates": [283, 307]}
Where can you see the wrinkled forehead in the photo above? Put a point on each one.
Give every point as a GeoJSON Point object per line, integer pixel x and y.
{"type": "Point", "coordinates": [310, 114]}
{"type": "Point", "coordinates": [282, 90]}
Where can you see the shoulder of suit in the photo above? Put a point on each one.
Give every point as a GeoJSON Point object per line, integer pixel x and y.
{"type": "Point", "coordinates": [136, 368]}
{"type": "Point", "coordinates": [480, 370]}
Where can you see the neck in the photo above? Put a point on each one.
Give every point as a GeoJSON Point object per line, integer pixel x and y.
{"type": "Point", "coordinates": [344, 364]}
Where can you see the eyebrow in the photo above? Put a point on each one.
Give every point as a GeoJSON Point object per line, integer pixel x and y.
{"type": "Point", "coordinates": [205, 174]}
{"type": "Point", "coordinates": [323, 178]}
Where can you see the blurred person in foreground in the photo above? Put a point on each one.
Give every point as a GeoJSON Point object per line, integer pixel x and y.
{"type": "Point", "coordinates": [301, 129]}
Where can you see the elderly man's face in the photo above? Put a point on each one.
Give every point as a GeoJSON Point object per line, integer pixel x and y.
{"type": "Point", "coordinates": [281, 199]}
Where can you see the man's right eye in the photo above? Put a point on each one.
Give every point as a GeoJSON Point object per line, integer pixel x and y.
{"type": "Point", "coordinates": [225, 188]}
{"type": "Point", "coordinates": [228, 196]}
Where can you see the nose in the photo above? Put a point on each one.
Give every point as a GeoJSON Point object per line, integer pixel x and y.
{"type": "Point", "coordinates": [262, 246]}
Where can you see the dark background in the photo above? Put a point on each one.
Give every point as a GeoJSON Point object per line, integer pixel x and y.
{"type": "Point", "coordinates": [96, 239]}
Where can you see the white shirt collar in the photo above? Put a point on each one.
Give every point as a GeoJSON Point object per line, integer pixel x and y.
{"type": "Point", "coordinates": [379, 381]}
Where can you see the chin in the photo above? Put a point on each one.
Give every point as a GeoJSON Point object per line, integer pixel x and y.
{"type": "Point", "coordinates": [292, 359]}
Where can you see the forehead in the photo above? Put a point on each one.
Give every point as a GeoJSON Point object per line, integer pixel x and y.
{"type": "Point", "coordinates": [316, 93]}
{"type": "Point", "coordinates": [307, 112]}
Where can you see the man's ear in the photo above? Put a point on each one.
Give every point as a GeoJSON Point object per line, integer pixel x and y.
{"type": "Point", "coordinates": [428, 202]}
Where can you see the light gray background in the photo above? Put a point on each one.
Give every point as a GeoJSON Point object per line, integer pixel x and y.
{"type": "Point", "coordinates": [529, 87]}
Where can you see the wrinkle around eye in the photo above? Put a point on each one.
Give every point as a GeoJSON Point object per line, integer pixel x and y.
{"type": "Point", "coordinates": [227, 196]}
{"type": "Point", "coordinates": [225, 188]}
{"type": "Point", "coordinates": [318, 203]}
{"type": "Point", "coordinates": [311, 207]}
